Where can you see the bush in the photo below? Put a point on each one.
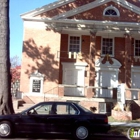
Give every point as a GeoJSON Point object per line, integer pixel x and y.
{"type": "Point", "coordinates": [93, 109]}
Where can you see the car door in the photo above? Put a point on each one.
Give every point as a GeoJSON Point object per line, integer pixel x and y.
{"type": "Point", "coordinates": [64, 118]}
{"type": "Point", "coordinates": [35, 120]}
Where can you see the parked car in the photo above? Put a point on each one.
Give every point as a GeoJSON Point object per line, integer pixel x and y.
{"type": "Point", "coordinates": [54, 118]}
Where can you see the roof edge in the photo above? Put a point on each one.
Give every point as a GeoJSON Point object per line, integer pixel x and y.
{"type": "Point", "coordinates": [46, 8]}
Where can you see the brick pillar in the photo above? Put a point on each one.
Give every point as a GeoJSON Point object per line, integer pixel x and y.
{"type": "Point", "coordinates": [127, 63]}
{"type": "Point", "coordinates": [92, 62]}
{"type": "Point", "coordinates": [89, 92]}
{"type": "Point", "coordinates": [61, 91]}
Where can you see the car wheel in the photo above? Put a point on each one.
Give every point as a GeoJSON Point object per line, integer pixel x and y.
{"type": "Point", "coordinates": [5, 129]}
{"type": "Point", "coordinates": [81, 133]}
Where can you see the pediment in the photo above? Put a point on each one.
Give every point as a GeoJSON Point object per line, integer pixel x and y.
{"type": "Point", "coordinates": [78, 8]}
{"type": "Point", "coordinates": [97, 13]}
{"type": "Point", "coordinates": [36, 74]}
{"type": "Point", "coordinates": [115, 64]}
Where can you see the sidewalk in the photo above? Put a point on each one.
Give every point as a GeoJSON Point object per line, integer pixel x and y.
{"type": "Point", "coordinates": [124, 124]}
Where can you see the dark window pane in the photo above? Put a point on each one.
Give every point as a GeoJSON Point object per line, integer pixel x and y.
{"type": "Point", "coordinates": [111, 12]}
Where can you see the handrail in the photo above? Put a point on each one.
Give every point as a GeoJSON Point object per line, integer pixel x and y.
{"type": "Point", "coordinates": [30, 99]}
{"type": "Point", "coordinates": [49, 91]}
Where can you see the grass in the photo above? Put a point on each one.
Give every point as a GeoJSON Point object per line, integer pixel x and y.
{"type": "Point", "coordinates": [111, 119]}
{"type": "Point", "coordinates": [121, 130]}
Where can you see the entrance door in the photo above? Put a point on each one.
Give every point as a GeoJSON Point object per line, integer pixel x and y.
{"type": "Point", "coordinates": [107, 79]}
{"type": "Point", "coordinates": [74, 77]}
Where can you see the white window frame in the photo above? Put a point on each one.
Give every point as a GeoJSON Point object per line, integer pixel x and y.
{"type": "Point", "coordinates": [112, 45]}
{"type": "Point", "coordinates": [102, 104]}
{"type": "Point", "coordinates": [41, 84]}
{"type": "Point", "coordinates": [69, 42]}
{"type": "Point", "coordinates": [111, 8]}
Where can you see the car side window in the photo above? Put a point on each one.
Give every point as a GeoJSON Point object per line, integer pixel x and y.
{"type": "Point", "coordinates": [73, 110]}
{"type": "Point", "coordinates": [66, 109]}
{"type": "Point", "coordinates": [41, 109]}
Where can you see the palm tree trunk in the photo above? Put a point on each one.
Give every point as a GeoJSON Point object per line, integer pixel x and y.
{"type": "Point", "coordinates": [6, 106]}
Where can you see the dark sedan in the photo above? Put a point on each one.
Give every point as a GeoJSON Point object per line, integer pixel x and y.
{"type": "Point", "coordinates": [54, 118]}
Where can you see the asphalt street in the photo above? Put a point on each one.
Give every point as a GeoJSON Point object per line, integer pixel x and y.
{"type": "Point", "coordinates": [95, 137]}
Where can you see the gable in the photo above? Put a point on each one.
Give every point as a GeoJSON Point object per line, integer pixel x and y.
{"type": "Point", "coordinates": [63, 9]}
{"type": "Point", "coordinates": [79, 14]}
{"type": "Point", "coordinates": [96, 13]}
{"type": "Point", "coordinates": [95, 4]}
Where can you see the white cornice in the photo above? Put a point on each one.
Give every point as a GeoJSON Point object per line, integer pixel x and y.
{"type": "Point", "coordinates": [46, 8]}
{"type": "Point", "coordinates": [97, 3]}
{"type": "Point", "coordinates": [91, 22]}
{"type": "Point", "coordinates": [128, 5]}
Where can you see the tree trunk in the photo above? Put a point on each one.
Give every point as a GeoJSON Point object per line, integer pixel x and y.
{"type": "Point", "coordinates": [6, 106]}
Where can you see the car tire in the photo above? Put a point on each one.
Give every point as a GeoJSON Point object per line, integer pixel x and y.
{"type": "Point", "coordinates": [81, 133]}
{"type": "Point", "coordinates": [5, 129]}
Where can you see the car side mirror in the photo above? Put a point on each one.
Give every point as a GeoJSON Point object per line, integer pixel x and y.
{"type": "Point", "coordinates": [28, 113]}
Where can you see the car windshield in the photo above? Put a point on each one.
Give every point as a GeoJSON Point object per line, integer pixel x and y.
{"type": "Point", "coordinates": [85, 109]}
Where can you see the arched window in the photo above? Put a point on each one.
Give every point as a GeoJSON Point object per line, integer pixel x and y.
{"type": "Point", "coordinates": [111, 11]}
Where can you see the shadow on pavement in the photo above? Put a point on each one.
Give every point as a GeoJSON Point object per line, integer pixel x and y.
{"type": "Point", "coordinates": [68, 137]}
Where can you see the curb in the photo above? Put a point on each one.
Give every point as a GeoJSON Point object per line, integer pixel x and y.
{"type": "Point", "coordinates": [124, 124]}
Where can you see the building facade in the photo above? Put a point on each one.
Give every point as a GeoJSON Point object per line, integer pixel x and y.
{"type": "Point", "coordinates": [82, 51]}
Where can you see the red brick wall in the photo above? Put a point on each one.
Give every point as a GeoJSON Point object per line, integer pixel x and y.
{"type": "Point", "coordinates": [65, 8]}
{"type": "Point", "coordinates": [40, 53]}
{"type": "Point", "coordinates": [120, 56]}
{"type": "Point", "coordinates": [97, 14]}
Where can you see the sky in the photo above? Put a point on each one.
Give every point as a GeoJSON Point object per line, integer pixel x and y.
{"type": "Point", "coordinates": [18, 7]}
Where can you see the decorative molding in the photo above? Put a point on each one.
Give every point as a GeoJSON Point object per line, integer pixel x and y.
{"type": "Point", "coordinates": [86, 22]}
{"type": "Point", "coordinates": [36, 74]}
{"type": "Point", "coordinates": [116, 63]}
{"type": "Point", "coordinates": [114, 8]}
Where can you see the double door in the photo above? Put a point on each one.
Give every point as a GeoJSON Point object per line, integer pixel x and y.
{"type": "Point", "coordinates": [107, 79]}
{"type": "Point", "coordinates": [74, 81]}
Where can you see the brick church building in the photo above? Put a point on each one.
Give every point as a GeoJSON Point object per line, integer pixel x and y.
{"type": "Point", "coordinates": [82, 51]}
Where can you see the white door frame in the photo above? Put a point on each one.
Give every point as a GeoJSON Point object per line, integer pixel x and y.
{"type": "Point", "coordinates": [74, 66]}
{"type": "Point", "coordinates": [99, 66]}
{"type": "Point", "coordinates": [134, 70]}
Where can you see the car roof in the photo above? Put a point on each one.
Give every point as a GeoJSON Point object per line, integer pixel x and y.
{"type": "Point", "coordinates": [56, 102]}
